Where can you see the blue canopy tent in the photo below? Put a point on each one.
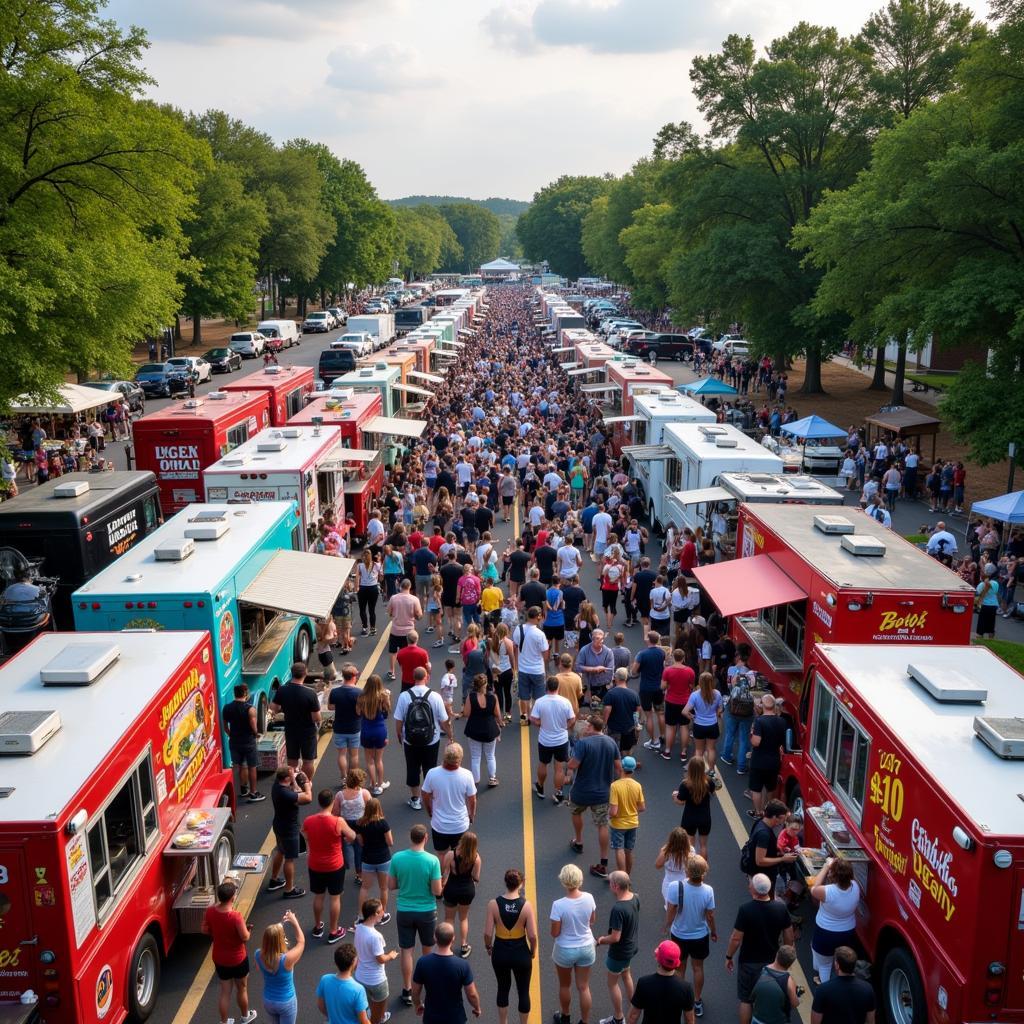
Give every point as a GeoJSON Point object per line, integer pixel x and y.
{"type": "Point", "coordinates": [1007, 508]}
{"type": "Point", "coordinates": [707, 386]}
{"type": "Point", "coordinates": [812, 427]}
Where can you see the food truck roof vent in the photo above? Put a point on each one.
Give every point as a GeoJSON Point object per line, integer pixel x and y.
{"type": "Point", "coordinates": [271, 369]}
{"type": "Point", "coordinates": [1004, 735]}
{"type": "Point", "coordinates": [175, 550]}
{"type": "Point", "coordinates": [71, 489]}
{"type": "Point", "coordinates": [217, 396]}
{"type": "Point", "coordinates": [365, 371]}
{"type": "Point", "coordinates": [24, 732]}
{"type": "Point", "coordinates": [711, 431]}
{"type": "Point", "coordinates": [802, 483]}
{"type": "Point", "coordinates": [945, 684]}
{"type": "Point", "coordinates": [272, 444]}
{"type": "Point", "coordinates": [670, 397]}
{"type": "Point", "coordinates": [236, 460]}
{"type": "Point", "coordinates": [207, 531]}
{"type": "Point", "coordinates": [380, 366]}
{"type": "Point", "coordinates": [726, 442]}
{"type": "Point", "coordinates": [862, 545]}
{"type": "Point", "coordinates": [340, 394]}
{"type": "Point", "coordinates": [291, 432]}
{"type": "Point", "coordinates": [833, 524]}
{"type": "Point", "coordinates": [79, 664]}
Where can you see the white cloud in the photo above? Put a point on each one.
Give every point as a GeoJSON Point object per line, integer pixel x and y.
{"type": "Point", "coordinates": [385, 70]}
{"type": "Point", "coordinates": [511, 28]}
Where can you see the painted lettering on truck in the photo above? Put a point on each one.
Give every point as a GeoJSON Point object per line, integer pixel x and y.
{"type": "Point", "coordinates": [177, 461]}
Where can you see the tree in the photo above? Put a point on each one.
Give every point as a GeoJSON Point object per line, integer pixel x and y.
{"type": "Point", "coordinates": [424, 238]}
{"type": "Point", "coordinates": [478, 233]}
{"type": "Point", "coordinates": [551, 229]}
{"type": "Point", "coordinates": [93, 184]}
{"type": "Point", "coordinates": [646, 242]}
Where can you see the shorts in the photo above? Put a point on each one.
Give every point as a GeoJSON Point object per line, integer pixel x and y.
{"type": "Point", "coordinates": [674, 714]}
{"type": "Point", "coordinates": [413, 924]}
{"type": "Point", "coordinates": [623, 838]}
{"type": "Point", "coordinates": [379, 868]}
{"type": "Point", "coordinates": [375, 740]}
{"type": "Point", "coordinates": [419, 761]}
{"type": "Point", "coordinates": [507, 500]}
{"type": "Point", "coordinates": [325, 658]}
{"type": "Point", "coordinates": [300, 747]}
{"type": "Point", "coordinates": [746, 979]}
{"type": "Point", "coordinates": [696, 828]}
{"type": "Point", "coordinates": [378, 993]}
{"type": "Point", "coordinates": [613, 965]}
{"type": "Point", "coordinates": [244, 755]}
{"type": "Point", "coordinates": [331, 882]}
{"type": "Point", "coordinates": [598, 812]}
{"type": "Point", "coordinates": [695, 949]}
{"type": "Point", "coordinates": [574, 956]}
{"type": "Point", "coordinates": [346, 740]}
{"type": "Point", "coordinates": [763, 778]}
{"type": "Point", "coordinates": [626, 740]}
{"type": "Point", "coordinates": [445, 840]}
{"type": "Point", "coordinates": [531, 685]}
{"type": "Point", "coordinates": [609, 600]}
{"type": "Point", "coordinates": [233, 972]}
{"type": "Point", "coordinates": [651, 699]}
{"type": "Point", "coordinates": [288, 845]}
{"type": "Point", "coordinates": [706, 732]}
{"type": "Point", "coordinates": [396, 643]}
{"type": "Point", "coordinates": [546, 754]}
{"type": "Point", "coordinates": [663, 626]}
{"type": "Point", "coordinates": [554, 632]}
{"type": "Point", "coordinates": [600, 547]}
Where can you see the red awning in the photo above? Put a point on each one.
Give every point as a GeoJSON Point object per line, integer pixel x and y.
{"type": "Point", "coordinates": [747, 584]}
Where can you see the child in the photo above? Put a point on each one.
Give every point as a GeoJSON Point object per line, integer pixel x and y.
{"type": "Point", "coordinates": [789, 842]}
{"type": "Point", "coordinates": [326, 634]}
{"type": "Point", "coordinates": [510, 614]}
{"type": "Point", "coordinates": [449, 684]}
{"type": "Point", "coordinates": [434, 610]}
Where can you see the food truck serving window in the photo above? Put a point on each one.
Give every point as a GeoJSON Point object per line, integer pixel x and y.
{"type": "Point", "coordinates": [120, 833]}
{"type": "Point", "coordinates": [840, 748]}
{"type": "Point", "coordinates": [673, 474]}
{"type": "Point", "coordinates": [787, 622]}
{"type": "Point", "coordinates": [236, 435]}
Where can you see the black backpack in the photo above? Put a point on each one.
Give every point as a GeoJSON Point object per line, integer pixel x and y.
{"type": "Point", "coordinates": [748, 853]}
{"type": "Point", "coordinates": [419, 721]}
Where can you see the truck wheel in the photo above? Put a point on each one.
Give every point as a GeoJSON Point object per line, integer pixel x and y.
{"type": "Point", "coordinates": [224, 853]}
{"type": "Point", "coordinates": [261, 714]}
{"type": "Point", "coordinates": [143, 978]}
{"type": "Point", "coordinates": [303, 646]}
{"type": "Point", "coordinates": [903, 1000]}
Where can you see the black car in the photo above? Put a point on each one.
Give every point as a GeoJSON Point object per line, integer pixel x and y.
{"type": "Point", "coordinates": [134, 395]}
{"type": "Point", "coordinates": [334, 362]}
{"type": "Point", "coordinates": [667, 346]}
{"type": "Point", "coordinates": [223, 360]}
{"type": "Point", "coordinates": [157, 380]}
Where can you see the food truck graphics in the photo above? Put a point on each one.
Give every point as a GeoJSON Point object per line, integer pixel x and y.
{"type": "Point", "coordinates": [283, 464]}
{"type": "Point", "coordinates": [919, 750]}
{"type": "Point", "coordinates": [289, 388]}
{"type": "Point", "coordinates": [410, 394]}
{"type": "Point", "coordinates": [625, 379]}
{"type": "Point", "coordinates": [110, 759]}
{"type": "Point", "coordinates": [77, 524]}
{"type": "Point", "coordinates": [237, 571]}
{"type": "Point", "coordinates": [179, 442]}
{"type": "Point", "coordinates": [808, 575]}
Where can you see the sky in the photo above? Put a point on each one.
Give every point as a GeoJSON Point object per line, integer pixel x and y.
{"type": "Point", "coordinates": [457, 97]}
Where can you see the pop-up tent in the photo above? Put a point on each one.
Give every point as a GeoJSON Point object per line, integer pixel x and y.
{"type": "Point", "coordinates": [71, 399]}
{"type": "Point", "coordinates": [812, 428]}
{"type": "Point", "coordinates": [707, 386]}
{"type": "Point", "coordinates": [1007, 508]}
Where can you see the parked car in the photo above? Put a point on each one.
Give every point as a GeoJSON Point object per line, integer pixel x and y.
{"type": "Point", "coordinates": [223, 360]}
{"type": "Point", "coordinates": [720, 342]}
{"type": "Point", "coordinates": [196, 365]}
{"type": "Point", "coordinates": [676, 347]}
{"type": "Point", "coordinates": [340, 316]}
{"type": "Point", "coordinates": [133, 393]}
{"type": "Point", "coordinates": [156, 380]}
{"type": "Point", "coordinates": [248, 344]}
{"type": "Point", "coordinates": [334, 362]}
{"type": "Point", "coordinates": [378, 306]}
{"type": "Point", "coordinates": [318, 322]}
{"type": "Point", "coordinates": [732, 349]}
{"type": "Point", "coordinates": [359, 342]}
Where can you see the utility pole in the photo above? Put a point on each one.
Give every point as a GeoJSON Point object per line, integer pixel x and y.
{"type": "Point", "coordinates": [1012, 452]}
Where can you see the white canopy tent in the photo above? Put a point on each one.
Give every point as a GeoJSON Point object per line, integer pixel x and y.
{"type": "Point", "coordinates": [71, 399]}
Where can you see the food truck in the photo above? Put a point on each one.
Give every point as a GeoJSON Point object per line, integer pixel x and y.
{"type": "Point", "coordinates": [908, 761]}
{"type": "Point", "coordinates": [807, 575]}
{"type": "Point", "coordinates": [237, 571]}
{"type": "Point", "coordinates": [179, 442]}
{"type": "Point", "coordinates": [411, 395]}
{"type": "Point", "coordinates": [624, 379]}
{"type": "Point", "coordinates": [115, 827]}
{"type": "Point", "coordinates": [289, 388]}
{"type": "Point", "coordinates": [74, 525]}
{"type": "Point", "coordinates": [379, 379]}
{"type": "Point", "coordinates": [287, 463]}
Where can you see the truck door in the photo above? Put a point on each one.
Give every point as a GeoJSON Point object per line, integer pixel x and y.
{"type": "Point", "coordinates": [18, 941]}
{"type": "Point", "coordinates": [1015, 967]}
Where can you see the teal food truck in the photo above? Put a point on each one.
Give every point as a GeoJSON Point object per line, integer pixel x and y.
{"type": "Point", "coordinates": [237, 571]}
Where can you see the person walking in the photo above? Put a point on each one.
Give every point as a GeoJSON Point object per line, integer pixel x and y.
{"type": "Point", "coordinates": [370, 573]}
{"type": "Point", "coordinates": [373, 954]}
{"type": "Point", "coordinates": [510, 939]}
{"type": "Point", "coordinates": [677, 683]}
{"type": "Point", "coordinates": [420, 716]}
{"type": "Point", "coordinates": [483, 729]}
{"type": "Point", "coordinates": [325, 832]}
{"type": "Point", "coordinates": [440, 980]}
{"type": "Point", "coordinates": [621, 940]}
{"type": "Point", "coordinates": [449, 795]}
{"type": "Point", "coordinates": [595, 662]}
{"type": "Point", "coordinates": [694, 796]}
{"type": "Point", "coordinates": [277, 964]}
{"type": "Point", "coordinates": [625, 805]}
{"type": "Point", "coordinates": [574, 952]}
{"type": "Point", "coordinates": [621, 706]}
{"type": "Point", "coordinates": [844, 998]}
{"type": "Point", "coordinates": [415, 877]}
{"type": "Point", "coordinates": [649, 665]}
{"type": "Point", "coordinates": [460, 875]}
{"type": "Point", "coordinates": [375, 840]}
{"type": "Point", "coordinates": [532, 648]}
{"type": "Point", "coordinates": [775, 993]}
{"type": "Point", "coordinates": [373, 706]}
{"type": "Point", "coordinates": [301, 709]}
{"type": "Point", "coordinates": [690, 923]}
{"type": "Point", "coordinates": [502, 658]}
{"type": "Point", "coordinates": [595, 765]}
{"type": "Point", "coordinates": [343, 700]}
{"type": "Point", "coordinates": [339, 996]}
{"type": "Point", "coordinates": [768, 739]}
{"type": "Point", "coordinates": [290, 791]}
{"type": "Point", "coordinates": [229, 934]}
{"type": "Point", "coordinates": [705, 708]}
{"type": "Point", "coordinates": [554, 716]}
{"type": "Point", "coordinates": [662, 997]}
{"type": "Point", "coordinates": [404, 609]}
{"type": "Point", "coordinates": [672, 859]}
{"type": "Point", "coordinates": [350, 805]}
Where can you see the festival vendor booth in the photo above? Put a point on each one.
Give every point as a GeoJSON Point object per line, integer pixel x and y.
{"type": "Point", "coordinates": [816, 440]}
{"type": "Point", "coordinates": [903, 422]}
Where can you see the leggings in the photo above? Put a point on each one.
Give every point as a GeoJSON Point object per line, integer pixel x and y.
{"type": "Point", "coordinates": [479, 750]}
{"type": "Point", "coordinates": [512, 957]}
{"type": "Point", "coordinates": [367, 597]}
{"type": "Point", "coordinates": [391, 584]}
{"type": "Point", "coordinates": [281, 1013]}
{"type": "Point", "coordinates": [504, 689]}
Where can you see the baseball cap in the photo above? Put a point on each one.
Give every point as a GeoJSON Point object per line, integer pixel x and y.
{"type": "Point", "coordinates": [667, 955]}
{"type": "Point", "coordinates": [629, 764]}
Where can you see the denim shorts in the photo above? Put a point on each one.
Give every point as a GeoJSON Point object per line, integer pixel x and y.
{"type": "Point", "coordinates": [623, 838]}
{"type": "Point", "coordinates": [531, 685]}
{"type": "Point", "coordinates": [574, 956]}
{"type": "Point", "coordinates": [613, 965]}
{"type": "Point", "coordinates": [378, 993]}
{"type": "Point", "coordinates": [346, 740]}
{"type": "Point", "coordinates": [382, 868]}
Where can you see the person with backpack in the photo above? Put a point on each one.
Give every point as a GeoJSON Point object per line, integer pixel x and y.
{"type": "Point", "coordinates": [690, 923]}
{"type": "Point", "coordinates": [738, 711]}
{"type": "Point", "coordinates": [760, 852]}
{"type": "Point", "coordinates": [419, 717]}
{"type": "Point", "coordinates": [775, 993]}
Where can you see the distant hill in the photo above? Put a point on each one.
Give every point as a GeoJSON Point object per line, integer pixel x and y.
{"type": "Point", "coordinates": [507, 207]}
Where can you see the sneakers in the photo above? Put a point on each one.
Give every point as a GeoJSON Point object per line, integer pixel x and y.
{"type": "Point", "coordinates": [255, 796]}
{"type": "Point", "coordinates": [248, 1018]}
{"type": "Point", "coordinates": [391, 676]}
{"type": "Point", "coordinates": [438, 643]}
{"type": "Point", "coordinates": [430, 629]}
{"type": "Point", "coordinates": [359, 881]}
{"type": "Point", "coordinates": [294, 894]}
{"type": "Point", "coordinates": [561, 1018]}
{"type": "Point", "coordinates": [385, 919]}
{"type": "Point", "coordinates": [653, 745]}
{"type": "Point", "coordinates": [274, 884]}
{"type": "Point", "coordinates": [611, 1020]}
{"type": "Point", "coordinates": [465, 950]}
{"type": "Point", "coordinates": [336, 936]}
{"type": "Point", "coordinates": [386, 784]}
{"type": "Point", "coordinates": [539, 790]}
{"type": "Point", "coordinates": [726, 760]}
{"type": "Point", "coordinates": [698, 1008]}
{"type": "Point", "coordinates": [364, 632]}
{"type": "Point", "coordinates": [407, 997]}
{"type": "Point", "coordinates": [599, 870]}
{"type": "Point", "coordinates": [318, 931]}
{"type": "Point", "coordinates": [415, 803]}
{"type": "Point", "coordinates": [558, 798]}
{"type": "Point", "coordinates": [373, 631]}
{"type": "Point", "coordinates": [243, 792]}
{"type": "Point", "coordinates": [523, 719]}
{"type": "Point", "coordinates": [376, 790]}
{"type": "Point", "coordinates": [576, 847]}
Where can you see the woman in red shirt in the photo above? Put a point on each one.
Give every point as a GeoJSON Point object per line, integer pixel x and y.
{"type": "Point", "coordinates": [229, 932]}
{"type": "Point", "coordinates": [326, 862]}
{"type": "Point", "coordinates": [677, 682]}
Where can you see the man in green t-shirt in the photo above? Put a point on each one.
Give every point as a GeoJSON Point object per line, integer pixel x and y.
{"type": "Point", "coordinates": [415, 878]}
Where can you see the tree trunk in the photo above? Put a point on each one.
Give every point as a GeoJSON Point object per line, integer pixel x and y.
{"type": "Point", "coordinates": [812, 371]}
{"type": "Point", "coordinates": [197, 329]}
{"type": "Point", "coordinates": [779, 360]}
{"type": "Point", "coordinates": [878, 380]}
{"type": "Point", "coordinates": [282, 298]}
{"type": "Point", "coordinates": [899, 377]}
{"type": "Point", "coordinates": [177, 327]}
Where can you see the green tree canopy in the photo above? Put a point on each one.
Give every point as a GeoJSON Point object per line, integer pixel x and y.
{"type": "Point", "coordinates": [478, 232]}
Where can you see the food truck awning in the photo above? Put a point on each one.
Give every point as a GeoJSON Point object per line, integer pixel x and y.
{"type": "Point", "coordinates": [584, 370]}
{"type": "Point", "coordinates": [454, 344]}
{"type": "Point", "coordinates": [747, 584]}
{"type": "Point", "coordinates": [411, 389]}
{"type": "Point", "coordinates": [466, 331]}
{"type": "Point", "coordinates": [597, 389]}
{"type": "Point", "coordinates": [702, 496]}
{"type": "Point", "coordinates": [430, 378]}
{"type": "Point", "coordinates": [626, 419]}
{"type": "Point", "coordinates": [396, 426]}
{"type": "Point", "coordinates": [299, 582]}
{"type": "Point", "coordinates": [563, 349]}
{"type": "Point", "coordinates": [568, 366]}
{"type": "Point", "coordinates": [346, 457]}
{"type": "Point", "coordinates": [647, 452]}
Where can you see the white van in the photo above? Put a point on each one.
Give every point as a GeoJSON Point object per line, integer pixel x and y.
{"type": "Point", "coordinates": [286, 330]}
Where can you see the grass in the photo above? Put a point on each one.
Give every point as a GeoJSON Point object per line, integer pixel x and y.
{"type": "Point", "coordinates": [939, 381]}
{"type": "Point", "coordinates": [1012, 653]}
{"type": "Point", "coordinates": [916, 538]}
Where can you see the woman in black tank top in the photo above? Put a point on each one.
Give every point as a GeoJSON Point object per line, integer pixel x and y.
{"type": "Point", "coordinates": [510, 937]}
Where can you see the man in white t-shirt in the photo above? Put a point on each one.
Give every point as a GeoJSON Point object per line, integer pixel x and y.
{"type": "Point", "coordinates": [555, 717]}
{"type": "Point", "coordinates": [449, 795]}
{"type": "Point", "coordinates": [420, 757]}
{"type": "Point", "coordinates": [601, 525]}
{"type": "Point", "coordinates": [552, 480]}
{"type": "Point", "coordinates": [533, 651]}
{"type": "Point", "coordinates": [569, 562]}
{"type": "Point", "coordinates": [375, 533]}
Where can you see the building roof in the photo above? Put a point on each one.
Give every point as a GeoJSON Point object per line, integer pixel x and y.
{"type": "Point", "coordinates": [499, 264]}
{"type": "Point", "coordinates": [904, 421]}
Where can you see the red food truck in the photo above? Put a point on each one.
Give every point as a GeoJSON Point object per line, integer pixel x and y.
{"type": "Point", "coordinates": [179, 442]}
{"type": "Point", "coordinates": [908, 761]}
{"type": "Point", "coordinates": [807, 575]}
{"type": "Point", "coordinates": [115, 827]}
{"type": "Point", "coordinates": [289, 388]}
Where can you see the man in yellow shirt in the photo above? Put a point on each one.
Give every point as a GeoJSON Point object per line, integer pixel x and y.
{"type": "Point", "coordinates": [625, 805]}
{"type": "Point", "coordinates": [570, 684]}
{"type": "Point", "coordinates": [491, 601]}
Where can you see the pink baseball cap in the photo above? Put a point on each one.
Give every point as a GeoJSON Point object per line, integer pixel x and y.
{"type": "Point", "coordinates": [667, 954]}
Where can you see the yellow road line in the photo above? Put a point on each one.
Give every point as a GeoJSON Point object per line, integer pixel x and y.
{"type": "Point", "coordinates": [252, 886]}
{"type": "Point", "coordinates": [741, 833]}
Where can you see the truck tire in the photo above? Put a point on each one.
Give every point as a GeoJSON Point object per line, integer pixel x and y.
{"type": "Point", "coordinates": [224, 852]}
{"type": "Point", "coordinates": [303, 646]}
{"type": "Point", "coordinates": [903, 999]}
{"type": "Point", "coordinates": [143, 979]}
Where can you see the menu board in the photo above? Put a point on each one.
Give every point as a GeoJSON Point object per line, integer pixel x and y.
{"type": "Point", "coordinates": [83, 910]}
